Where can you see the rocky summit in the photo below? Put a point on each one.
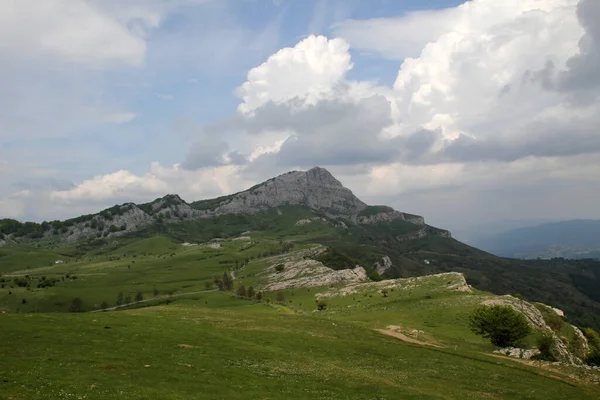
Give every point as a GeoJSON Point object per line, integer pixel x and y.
{"type": "Point", "coordinates": [316, 189]}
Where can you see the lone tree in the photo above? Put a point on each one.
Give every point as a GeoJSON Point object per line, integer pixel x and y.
{"type": "Point", "coordinates": [280, 297]}
{"type": "Point", "coordinates": [119, 299]}
{"type": "Point", "coordinates": [501, 324]}
{"type": "Point", "coordinates": [139, 296]}
{"type": "Point", "coordinates": [75, 305]}
{"type": "Point", "coordinates": [251, 292]}
{"type": "Point", "coordinates": [227, 281]}
{"type": "Point", "coordinates": [242, 291]}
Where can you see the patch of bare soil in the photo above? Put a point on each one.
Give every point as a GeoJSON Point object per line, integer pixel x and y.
{"type": "Point", "coordinates": [396, 331]}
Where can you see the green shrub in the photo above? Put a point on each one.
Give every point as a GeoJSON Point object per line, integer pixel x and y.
{"type": "Point", "coordinates": [593, 338]}
{"type": "Point", "coordinates": [279, 267]}
{"type": "Point", "coordinates": [241, 291]}
{"type": "Point", "coordinates": [501, 324]}
{"type": "Point", "coordinates": [545, 343]}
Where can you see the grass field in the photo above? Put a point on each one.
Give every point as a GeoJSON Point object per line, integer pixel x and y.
{"type": "Point", "coordinates": [214, 345]}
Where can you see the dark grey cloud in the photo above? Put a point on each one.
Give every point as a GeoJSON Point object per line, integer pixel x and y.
{"type": "Point", "coordinates": [338, 132]}
{"type": "Point", "coordinates": [205, 152]}
{"type": "Point", "coordinates": [548, 138]}
{"type": "Point", "coordinates": [583, 69]}
{"type": "Point", "coordinates": [581, 77]}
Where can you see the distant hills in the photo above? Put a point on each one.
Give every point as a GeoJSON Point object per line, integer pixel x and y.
{"type": "Point", "coordinates": [568, 239]}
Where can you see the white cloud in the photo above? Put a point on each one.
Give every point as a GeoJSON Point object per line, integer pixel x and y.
{"type": "Point", "coordinates": [470, 79]}
{"type": "Point", "coordinates": [307, 71]}
{"type": "Point", "coordinates": [120, 117]}
{"type": "Point", "coordinates": [160, 180]}
{"type": "Point", "coordinates": [165, 96]}
{"type": "Point", "coordinates": [407, 35]}
{"type": "Point", "coordinates": [76, 31]}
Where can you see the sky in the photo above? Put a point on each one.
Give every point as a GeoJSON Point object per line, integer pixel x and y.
{"type": "Point", "coordinates": [463, 112]}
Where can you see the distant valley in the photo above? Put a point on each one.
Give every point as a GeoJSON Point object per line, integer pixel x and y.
{"type": "Point", "coordinates": [575, 239]}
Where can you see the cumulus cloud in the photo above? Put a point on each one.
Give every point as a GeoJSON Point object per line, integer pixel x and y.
{"type": "Point", "coordinates": [124, 185]}
{"type": "Point", "coordinates": [580, 74]}
{"type": "Point", "coordinates": [306, 71]}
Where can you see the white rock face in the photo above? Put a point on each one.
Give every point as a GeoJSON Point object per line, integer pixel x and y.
{"type": "Point", "coordinates": [448, 281]}
{"type": "Point", "coordinates": [390, 216]}
{"type": "Point", "coordinates": [385, 265]}
{"type": "Point", "coordinates": [525, 354]}
{"type": "Point", "coordinates": [584, 341]}
{"type": "Point", "coordinates": [299, 271]}
{"type": "Point", "coordinates": [561, 313]}
{"type": "Point", "coordinates": [315, 188]}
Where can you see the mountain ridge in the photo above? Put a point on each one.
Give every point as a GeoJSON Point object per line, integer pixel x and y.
{"type": "Point", "coordinates": [316, 189]}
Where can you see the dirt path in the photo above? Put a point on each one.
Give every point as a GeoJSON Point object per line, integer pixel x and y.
{"type": "Point", "coordinates": [394, 331]}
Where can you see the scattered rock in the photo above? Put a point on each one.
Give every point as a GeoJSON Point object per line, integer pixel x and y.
{"type": "Point", "coordinates": [515, 352]}
{"type": "Point", "coordinates": [453, 281]}
{"type": "Point", "coordinates": [245, 238]}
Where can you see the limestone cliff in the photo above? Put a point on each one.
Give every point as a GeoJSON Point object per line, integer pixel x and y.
{"type": "Point", "coordinates": [315, 188]}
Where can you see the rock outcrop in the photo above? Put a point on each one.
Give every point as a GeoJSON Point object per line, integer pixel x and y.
{"type": "Point", "coordinates": [536, 320]}
{"type": "Point", "coordinates": [448, 281]}
{"type": "Point", "coordinates": [299, 270]}
{"type": "Point", "coordinates": [390, 216]}
{"type": "Point", "coordinates": [315, 188]}
{"type": "Point", "coordinates": [384, 266]}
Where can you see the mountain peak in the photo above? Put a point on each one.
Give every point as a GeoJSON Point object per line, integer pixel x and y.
{"type": "Point", "coordinates": [316, 188]}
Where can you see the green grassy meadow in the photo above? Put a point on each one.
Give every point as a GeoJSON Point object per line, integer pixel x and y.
{"type": "Point", "coordinates": [194, 343]}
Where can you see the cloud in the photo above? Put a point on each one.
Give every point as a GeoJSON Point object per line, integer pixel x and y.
{"type": "Point", "coordinates": [119, 117]}
{"type": "Point", "coordinates": [164, 96]}
{"type": "Point", "coordinates": [407, 35]}
{"type": "Point", "coordinates": [306, 71]}
{"type": "Point", "coordinates": [124, 185]}
{"type": "Point", "coordinates": [76, 31]}
{"type": "Point", "coordinates": [580, 73]}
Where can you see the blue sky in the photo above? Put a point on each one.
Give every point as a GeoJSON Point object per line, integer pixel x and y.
{"type": "Point", "coordinates": [423, 105]}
